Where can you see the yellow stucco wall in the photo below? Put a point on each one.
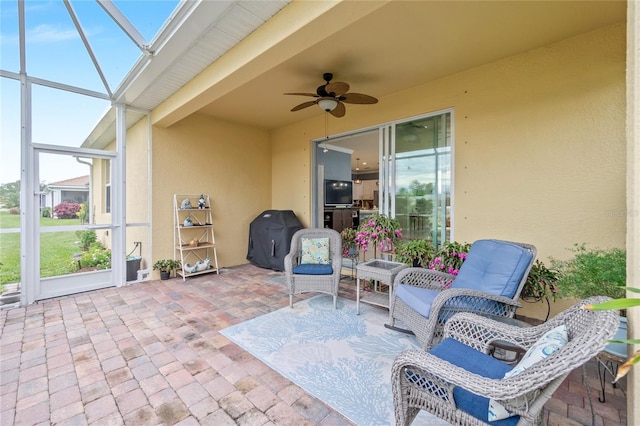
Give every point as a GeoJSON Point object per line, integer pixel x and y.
{"type": "Point", "coordinates": [539, 144]}
{"type": "Point", "coordinates": [229, 162]}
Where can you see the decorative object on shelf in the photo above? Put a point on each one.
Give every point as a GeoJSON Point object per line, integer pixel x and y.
{"type": "Point", "coordinates": [186, 204]}
{"type": "Point", "coordinates": [193, 243]}
{"type": "Point", "coordinates": [165, 266]}
{"type": "Point", "coordinates": [204, 265]}
{"type": "Point", "coordinates": [187, 222]}
{"type": "Point", "coordinates": [199, 266]}
{"type": "Point", "coordinates": [381, 231]}
{"type": "Point", "coordinates": [201, 204]}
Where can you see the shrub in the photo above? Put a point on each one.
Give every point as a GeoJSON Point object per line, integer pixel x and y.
{"type": "Point", "coordinates": [87, 238]}
{"type": "Point", "coordinates": [46, 212]}
{"type": "Point", "coordinates": [66, 210]}
{"type": "Point", "coordinates": [83, 213]}
{"type": "Point", "coordinates": [592, 272]}
{"type": "Point", "coordinates": [14, 210]}
{"type": "Point", "coordinates": [97, 256]}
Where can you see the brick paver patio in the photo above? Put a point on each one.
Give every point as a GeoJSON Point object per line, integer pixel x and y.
{"type": "Point", "coordinates": [151, 353]}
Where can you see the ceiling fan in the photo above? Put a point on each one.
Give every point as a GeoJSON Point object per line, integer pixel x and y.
{"type": "Point", "coordinates": [331, 97]}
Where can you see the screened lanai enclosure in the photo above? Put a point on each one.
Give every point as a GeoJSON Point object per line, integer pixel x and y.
{"type": "Point", "coordinates": [74, 77]}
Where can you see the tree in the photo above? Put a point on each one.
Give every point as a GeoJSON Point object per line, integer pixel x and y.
{"type": "Point", "coordinates": [10, 194]}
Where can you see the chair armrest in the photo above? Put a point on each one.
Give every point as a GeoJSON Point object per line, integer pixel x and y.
{"type": "Point", "coordinates": [479, 332]}
{"type": "Point", "coordinates": [424, 278]}
{"type": "Point", "coordinates": [290, 260]}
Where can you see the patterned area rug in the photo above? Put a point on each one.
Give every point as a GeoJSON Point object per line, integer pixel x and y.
{"type": "Point", "coordinates": [341, 358]}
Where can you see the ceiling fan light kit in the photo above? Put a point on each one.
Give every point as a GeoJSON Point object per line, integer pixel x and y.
{"type": "Point", "coordinates": [327, 105]}
{"type": "Point", "coordinates": [331, 97]}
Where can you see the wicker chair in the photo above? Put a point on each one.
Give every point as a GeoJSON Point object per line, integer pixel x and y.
{"type": "Point", "coordinates": [457, 384]}
{"type": "Point", "coordinates": [489, 282]}
{"type": "Point", "coordinates": [313, 277]}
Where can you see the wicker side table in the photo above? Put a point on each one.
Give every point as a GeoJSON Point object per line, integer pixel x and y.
{"type": "Point", "coordinates": [381, 272]}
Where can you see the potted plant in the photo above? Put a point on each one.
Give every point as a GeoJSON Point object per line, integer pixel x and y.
{"type": "Point", "coordinates": [349, 247]}
{"type": "Point", "coordinates": [165, 266]}
{"type": "Point", "coordinates": [380, 231]}
{"type": "Point", "coordinates": [540, 285]}
{"type": "Point", "coordinates": [449, 257]}
{"type": "Point", "coordinates": [415, 252]}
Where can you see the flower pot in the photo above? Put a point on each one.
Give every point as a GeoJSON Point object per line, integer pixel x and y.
{"type": "Point", "coordinates": [164, 275]}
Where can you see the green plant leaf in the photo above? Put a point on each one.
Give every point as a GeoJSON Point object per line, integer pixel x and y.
{"type": "Point", "coordinates": [614, 304]}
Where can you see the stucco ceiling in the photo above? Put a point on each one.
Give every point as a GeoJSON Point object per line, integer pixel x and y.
{"type": "Point", "coordinates": [403, 44]}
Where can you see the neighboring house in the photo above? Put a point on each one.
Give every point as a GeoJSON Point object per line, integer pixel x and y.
{"type": "Point", "coordinates": [74, 190]}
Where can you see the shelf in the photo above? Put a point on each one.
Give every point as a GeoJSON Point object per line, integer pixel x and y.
{"type": "Point", "coordinates": [375, 298]}
{"type": "Point", "coordinates": [201, 231]}
{"type": "Point", "coordinates": [199, 246]}
{"type": "Point", "coordinates": [187, 274]}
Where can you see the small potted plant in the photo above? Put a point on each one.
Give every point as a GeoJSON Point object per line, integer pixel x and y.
{"type": "Point", "coordinates": [415, 252]}
{"type": "Point", "coordinates": [380, 231]}
{"type": "Point", "coordinates": [165, 266]}
{"type": "Point", "coordinates": [450, 257]}
{"type": "Point", "coordinates": [349, 248]}
{"type": "Point", "coordinates": [540, 285]}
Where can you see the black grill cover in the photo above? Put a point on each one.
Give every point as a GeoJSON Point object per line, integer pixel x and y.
{"type": "Point", "coordinates": [270, 238]}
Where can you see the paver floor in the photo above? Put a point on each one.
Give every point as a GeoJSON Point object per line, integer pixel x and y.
{"type": "Point", "coordinates": [151, 353]}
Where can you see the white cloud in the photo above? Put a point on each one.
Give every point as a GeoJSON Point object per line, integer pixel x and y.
{"type": "Point", "coordinates": [46, 33]}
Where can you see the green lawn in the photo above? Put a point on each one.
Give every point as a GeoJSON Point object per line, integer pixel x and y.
{"type": "Point", "coordinates": [56, 249]}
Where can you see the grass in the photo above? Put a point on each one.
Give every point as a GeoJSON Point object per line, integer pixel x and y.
{"type": "Point", "coordinates": [56, 249]}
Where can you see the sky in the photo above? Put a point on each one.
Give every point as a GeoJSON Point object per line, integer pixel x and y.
{"type": "Point", "coordinates": [55, 52]}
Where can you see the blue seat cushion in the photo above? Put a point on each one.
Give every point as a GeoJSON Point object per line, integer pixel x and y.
{"type": "Point", "coordinates": [419, 299]}
{"type": "Point", "coordinates": [313, 269]}
{"type": "Point", "coordinates": [473, 361]}
{"type": "Point", "coordinates": [495, 267]}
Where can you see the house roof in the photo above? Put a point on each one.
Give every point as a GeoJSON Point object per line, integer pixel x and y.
{"type": "Point", "coordinates": [378, 47]}
{"type": "Point", "coordinates": [80, 181]}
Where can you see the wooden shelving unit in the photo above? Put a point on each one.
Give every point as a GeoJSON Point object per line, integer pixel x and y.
{"type": "Point", "coordinates": [194, 239]}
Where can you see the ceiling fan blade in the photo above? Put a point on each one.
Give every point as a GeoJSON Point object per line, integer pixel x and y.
{"type": "Point", "coordinates": [358, 98]}
{"type": "Point", "coordinates": [303, 105]}
{"type": "Point", "coordinates": [302, 94]}
{"type": "Point", "coordinates": [339, 110]}
{"type": "Point", "coordinates": [337, 88]}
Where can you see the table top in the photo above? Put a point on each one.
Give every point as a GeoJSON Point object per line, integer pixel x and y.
{"type": "Point", "coordinates": [382, 264]}
{"type": "Point", "coordinates": [380, 270]}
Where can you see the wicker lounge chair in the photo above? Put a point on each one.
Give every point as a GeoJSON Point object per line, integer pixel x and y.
{"type": "Point", "coordinates": [309, 271]}
{"type": "Point", "coordinates": [457, 379]}
{"type": "Point", "coordinates": [489, 282]}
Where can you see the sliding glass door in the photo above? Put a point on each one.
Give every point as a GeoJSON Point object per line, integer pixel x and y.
{"type": "Point", "coordinates": [420, 171]}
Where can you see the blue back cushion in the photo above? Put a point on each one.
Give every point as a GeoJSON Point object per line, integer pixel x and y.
{"type": "Point", "coordinates": [495, 267]}
{"type": "Point", "coordinates": [476, 362]}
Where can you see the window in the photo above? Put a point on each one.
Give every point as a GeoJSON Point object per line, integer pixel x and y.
{"type": "Point", "coordinates": [107, 186]}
